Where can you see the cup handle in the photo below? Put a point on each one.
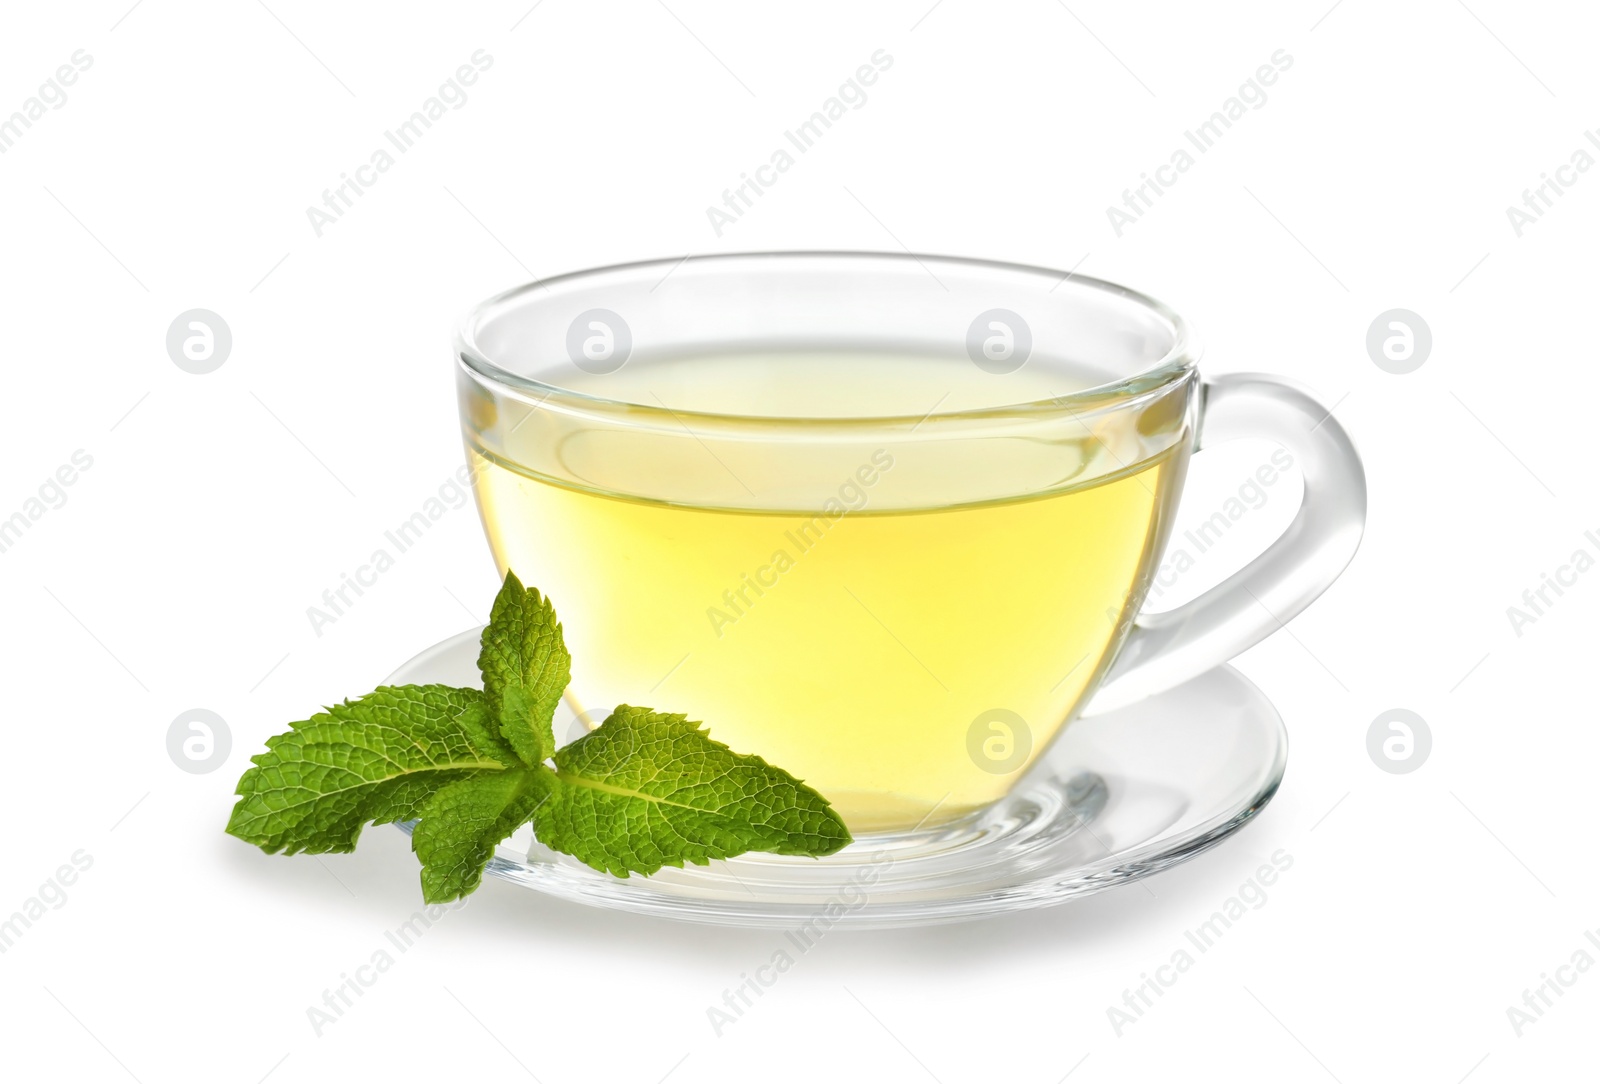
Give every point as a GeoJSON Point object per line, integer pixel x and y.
{"type": "Point", "coordinates": [1167, 649]}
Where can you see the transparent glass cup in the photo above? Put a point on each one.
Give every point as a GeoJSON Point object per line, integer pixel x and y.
{"type": "Point", "coordinates": [885, 520]}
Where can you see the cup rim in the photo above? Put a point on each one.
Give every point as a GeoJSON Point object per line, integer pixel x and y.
{"type": "Point", "coordinates": [1178, 364]}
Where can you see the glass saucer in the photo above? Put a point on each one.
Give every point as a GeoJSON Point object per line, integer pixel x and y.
{"type": "Point", "coordinates": [1119, 796]}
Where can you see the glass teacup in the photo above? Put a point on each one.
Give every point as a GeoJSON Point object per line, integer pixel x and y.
{"type": "Point", "coordinates": [884, 520]}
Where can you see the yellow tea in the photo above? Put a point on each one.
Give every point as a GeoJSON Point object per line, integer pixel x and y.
{"type": "Point", "coordinates": [903, 648]}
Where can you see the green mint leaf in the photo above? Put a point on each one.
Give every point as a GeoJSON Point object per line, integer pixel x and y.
{"type": "Point", "coordinates": [462, 823]}
{"type": "Point", "coordinates": [525, 668]}
{"type": "Point", "coordinates": [371, 760]}
{"type": "Point", "coordinates": [647, 789]}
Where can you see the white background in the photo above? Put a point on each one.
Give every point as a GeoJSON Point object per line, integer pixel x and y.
{"type": "Point", "coordinates": [219, 507]}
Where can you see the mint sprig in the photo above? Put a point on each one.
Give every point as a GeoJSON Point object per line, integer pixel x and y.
{"type": "Point", "coordinates": [643, 790]}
